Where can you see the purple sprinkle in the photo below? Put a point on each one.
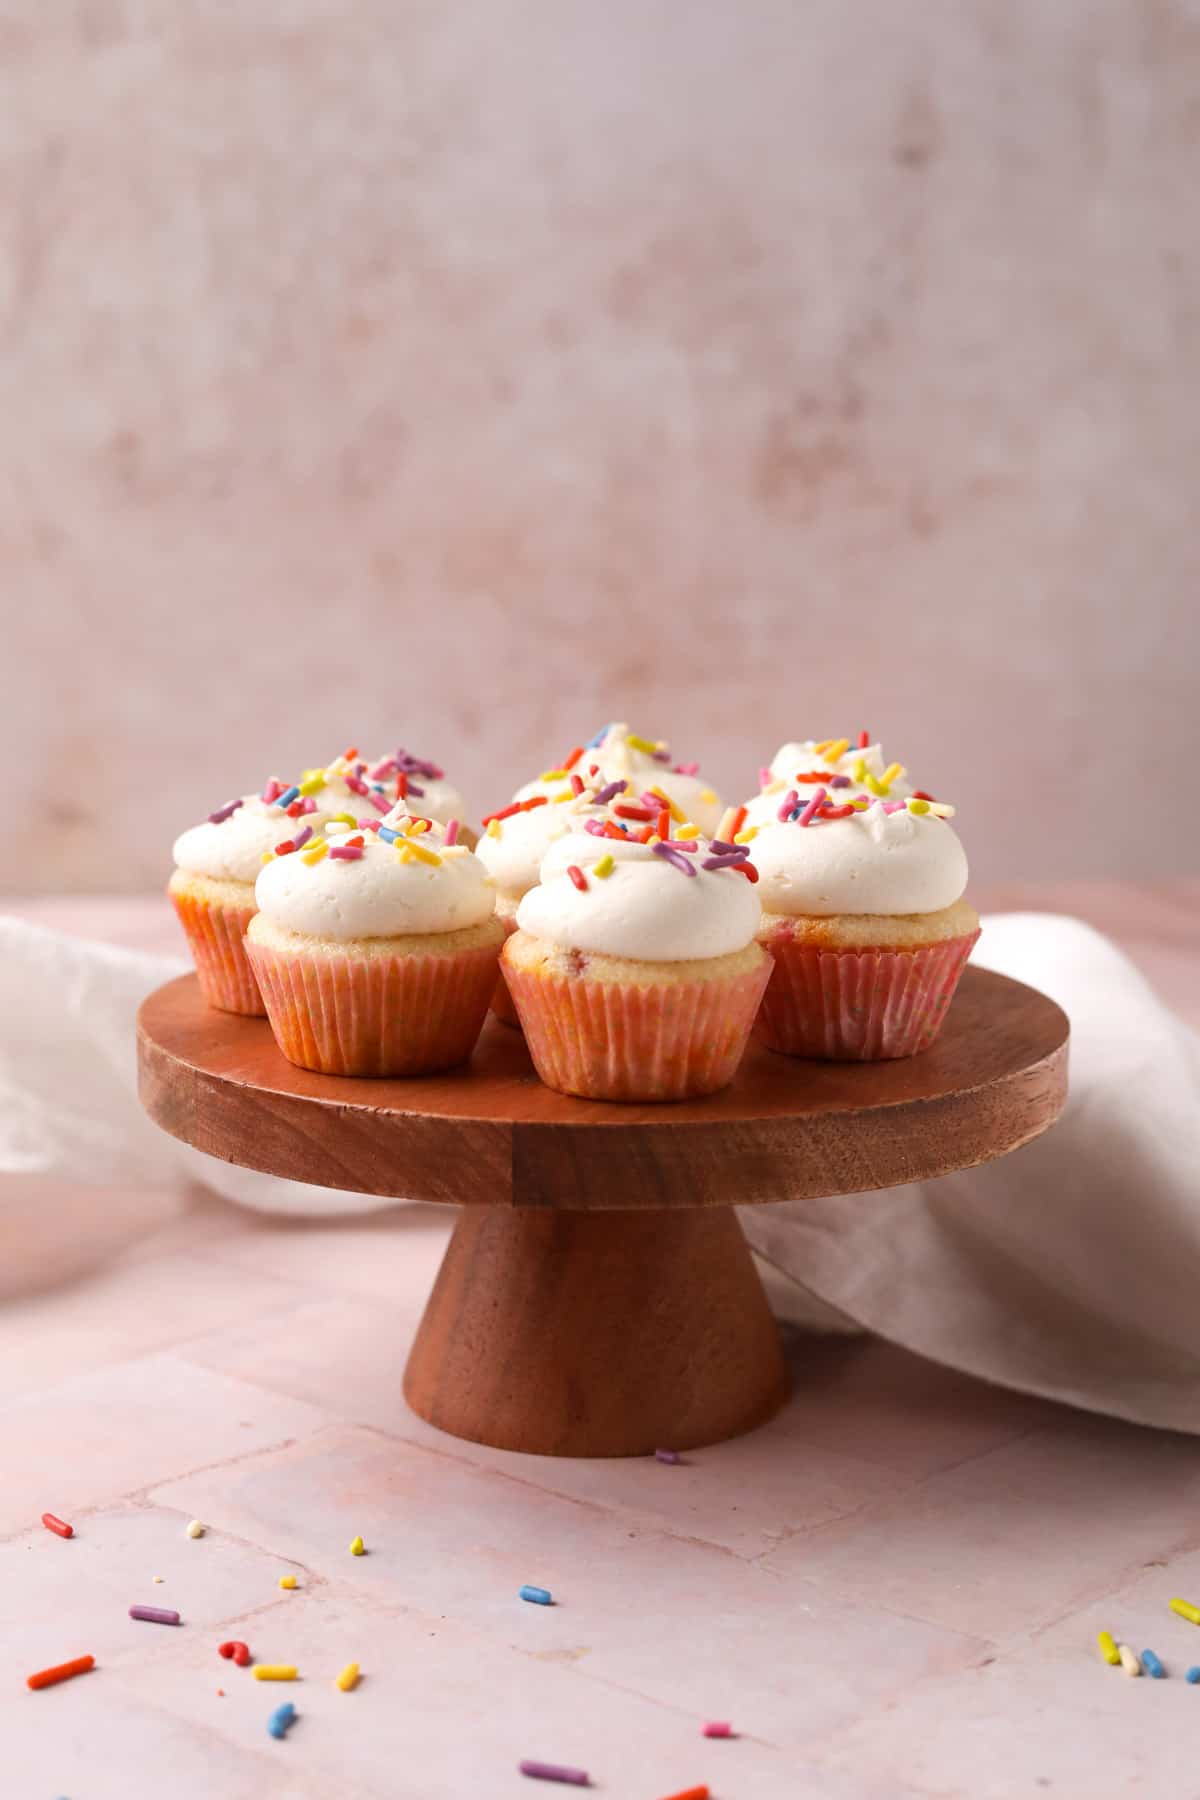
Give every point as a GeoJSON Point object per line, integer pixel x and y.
{"type": "Point", "coordinates": [346, 853]}
{"type": "Point", "coordinates": [154, 1615]}
{"type": "Point", "coordinates": [661, 755]}
{"type": "Point", "coordinates": [609, 793]}
{"type": "Point", "coordinates": [839, 781]}
{"type": "Point", "coordinates": [722, 862]}
{"type": "Point", "coordinates": [814, 806]}
{"type": "Point", "coordinates": [301, 838]}
{"type": "Point", "coordinates": [720, 847]}
{"type": "Point", "coordinates": [667, 1456]}
{"type": "Point", "coordinates": [685, 844]}
{"type": "Point", "coordinates": [553, 1772]}
{"type": "Point", "coordinates": [785, 811]}
{"type": "Point", "coordinates": [687, 768]}
{"type": "Point", "coordinates": [224, 812]}
{"type": "Point", "coordinates": [417, 765]}
{"type": "Point", "coordinates": [674, 858]}
{"type": "Point", "coordinates": [415, 792]}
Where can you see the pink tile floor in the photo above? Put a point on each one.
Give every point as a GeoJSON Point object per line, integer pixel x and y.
{"type": "Point", "coordinates": [892, 1590]}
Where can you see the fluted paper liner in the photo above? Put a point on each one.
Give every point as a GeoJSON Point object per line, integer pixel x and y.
{"type": "Point", "coordinates": [377, 1014]}
{"type": "Point", "coordinates": [216, 934]}
{"type": "Point", "coordinates": [502, 1001]}
{"type": "Point", "coordinates": [858, 1005]}
{"type": "Point", "coordinates": [609, 1040]}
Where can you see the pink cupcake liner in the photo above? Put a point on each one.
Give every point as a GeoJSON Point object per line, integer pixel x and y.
{"type": "Point", "coordinates": [375, 1015]}
{"type": "Point", "coordinates": [616, 1041]}
{"type": "Point", "coordinates": [216, 934]}
{"type": "Point", "coordinates": [502, 1002]}
{"type": "Point", "coordinates": [858, 1005]}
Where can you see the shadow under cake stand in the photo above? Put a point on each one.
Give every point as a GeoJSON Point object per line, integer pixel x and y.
{"type": "Point", "coordinates": [597, 1297]}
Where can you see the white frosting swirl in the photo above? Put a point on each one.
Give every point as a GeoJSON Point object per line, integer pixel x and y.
{"type": "Point", "coordinates": [233, 849]}
{"type": "Point", "coordinates": [804, 758]}
{"type": "Point", "coordinates": [645, 909]}
{"type": "Point", "coordinates": [619, 760]}
{"type": "Point", "coordinates": [378, 894]}
{"type": "Point", "coordinates": [870, 862]}
{"type": "Point", "coordinates": [514, 857]}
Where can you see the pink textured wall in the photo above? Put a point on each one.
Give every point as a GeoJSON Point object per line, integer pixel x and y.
{"type": "Point", "coordinates": [471, 375]}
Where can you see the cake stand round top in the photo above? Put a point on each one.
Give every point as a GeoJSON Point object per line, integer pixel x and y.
{"type": "Point", "coordinates": [490, 1133]}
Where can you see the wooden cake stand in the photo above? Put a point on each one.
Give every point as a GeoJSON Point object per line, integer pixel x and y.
{"type": "Point", "coordinates": [597, 1297]}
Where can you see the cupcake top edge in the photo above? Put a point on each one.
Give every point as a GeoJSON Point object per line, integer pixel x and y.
{"type": "Point", "coordinates": [830, 856]}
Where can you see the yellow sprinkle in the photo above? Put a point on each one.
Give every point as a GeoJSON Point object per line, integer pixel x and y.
{"type": "Point", "coordinates": [860, 803]}
{"type": "Point", "coordinates": [858, 770]}
{"type": "Point", "coordinates": [274, 1671]}
{"type": "Point", "coordinates": [312, 784]}
{"type": "Point", "coordinates": [1131, 1662]}
{"type": "Point", "coordinates": [1108, 1648]}
{"type": "Point", "coordinates": [654, 838]}
{"type": "Point", "coordinates": [687, 831]}
{"type": "Point", "coordinates": [918, 806]}
{"type": "Point", "coordinates": [641, 743]}
{"type": "Point", "coordinates": [358, 1548]}
{"type": "Point", "coordinates": [604, 867]}
{"type": "Point", "coordinates": [708, 797]}
{"type": "Point", "coordinates": [311, 774]}
{"type": "Point", "coordinates": [348, 1678]}
{"type": "Point", "coordinates": [493, 829]}
{"type": "Point", "coordinates": [319, 849]}
{"type": "Point", "coordinates": [287, 1581]}
{"type": "Point", "coordinates": [416, 827]}
{"type": "Point", "coordinates": [553, 775]}
{"type": "Point", "coordinates": [1186, 1610]}
{"type": "Point", "coordinates": [775, 787]}
{"type": "Point", "coordinates": [454, 850]}
{"type": "Point", "coordinates": [268, 856]}
{"type": "Point", "coordinates": [823, 746]}
{"type": "Point", "coordinates": [559, 798]}
{"type": "Point", "coordinates": [833, 748]}
{"type": "Point", "coordinates": [893, 772]}
{"type": "Point", "coordinates": [874, 786]}
{"type": "Point", "coordinates": [341, 819]}
{"type": "Point", "coordinates": [746, 837]}
{"type": "Point", "coordinates": [422, 854]}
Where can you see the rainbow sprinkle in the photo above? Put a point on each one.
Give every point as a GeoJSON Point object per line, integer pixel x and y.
{"type": "Point", "coordinates": [224, 812]}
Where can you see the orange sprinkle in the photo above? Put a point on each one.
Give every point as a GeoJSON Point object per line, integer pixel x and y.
{"type": "Point", "coordinates": [568, 762]}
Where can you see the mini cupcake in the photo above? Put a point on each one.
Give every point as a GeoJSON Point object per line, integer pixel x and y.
{"type": "Point", "coordinates": [645, 764]}
{"type": "Point", "coordinates": [375, 950]}
{"type": "Point", "coordinates": [212, 888]}
{"type": "Point", "coordinates": [834, 763]}
{"type": "Point", "coordinates": [634, 968]}
{"type": "Point", "coordinates": [864, 915]}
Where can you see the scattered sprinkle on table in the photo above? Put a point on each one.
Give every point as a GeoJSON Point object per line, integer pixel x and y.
{"type": "Point", "coordinates": [348, 1678]}
{"type": "Point", "coordinates": [62, 1529]}
{"type": "Point", "coordinates": [1152, 1665]}
{"type": "Point", "coordinates": [158, 1581]}
{"type": "Point", "coordinates": [719, 1728]}
{"type": "Point", "coordinates": [155, 1615]}
{"type": "Point", "coordinates": [694, 1793]}
{"type": "Point", "coordinates": [1186, 1610]}
{"type": "Point", "coordinates": [1108, 1648]}
{"type": "Point", "coordinates": [357, 1547]}
{"type": "Point", "coordinates": [60, 1672]}
{"type": "Point", "coordinates": [235, 1649]}
{"type": "Point", "coordinates": [280, 1719]}
{"type": "Point", "coordinates": [275, 1672]}
{"type": "Point", "coordinates": [287, 1581]}
{"type": "Point", "coordinates": [541, 1771]}
{"type": "Point", "coordinates": [536, 1595]}
{"type": "Point", "coordinates": [1129, 1660]}
{"type": "Point", "coordinates": [667, 1456]}
{"type": "Point", "coordinates": [195, 1529]}
{"type": "Point", "coordinates": [1193, 1674]}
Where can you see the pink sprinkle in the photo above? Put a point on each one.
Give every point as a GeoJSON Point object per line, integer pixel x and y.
{"type": "Point", "coordinates": [272, 790]}
{"type": "Point", "coordinates": [718, 1728]}
{"type": "Point", "coordinates": [687, 768]}
{"type": "Point", "coordinates": [382, 769]}
{"type": "Point", "coordinates": [813, 807]}
{"type": "Point", "coordinates": [785, 811]}
{"type": "Point", "coordinates": [451, 833]}
{"type": "Point", "coordinates": [765, 778]}
{"type": "Point", "coordinates": [891, 806]}
{"type": "Point", "coordinates": [379, 802]}
{"type": "Point", "coordinates": [368, 824]}
{"type": "Point", "coordinates": [308, 804]}
{"type": "Point", "coordinates": [346, 853]}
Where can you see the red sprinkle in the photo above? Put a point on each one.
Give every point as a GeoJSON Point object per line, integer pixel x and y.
{"type": "Point", "coordinates": [748, 870]}
{"type": "Point", "coordinates": [537, 800]}
{"type": "Point", "coordinates": [295, 809]}
{"type": "Point", "coordinates": [663, 827]}
{"type": "Point", "coordinates": [58, 1525]}
{"type": "Point", "coordinates": [238, 1651]}
{"type": "Point", "coordinates": [351, 753]}
{"type": "Point", "coordinates": [739, 819]}
{"type": "Point", "coordinates": [836, 812]}
{"type": "Point", "coordinates": [918, 795]}
{"type": "Point", "coordinates": [568, 762]}
{"type": "Point", "coordinates": [863, 740]}
{"type": "Point", "coordinates": [632, 812]}
{"type": "Point", "coordinates": [578, 877]}
{"type": "Point", "coordinates": [402, 786]}
{"type": "Point", "coordinates": [354, 843]}
{"type": "Point", "coordinates": [285, 847]}
{"type": "Point", "coordinates": [576, 785]}
{"type": "Point", "coordinates": [718, 1728]}
{"type": "Point", "coordinates": [816, 775]}
{"type": "Point", "coordinates": [506, 812]}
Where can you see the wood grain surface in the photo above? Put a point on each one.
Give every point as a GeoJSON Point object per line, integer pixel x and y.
{"type": "Point", "coordinates": [489, 1133]}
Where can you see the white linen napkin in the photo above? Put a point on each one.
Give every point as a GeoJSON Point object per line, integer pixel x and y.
{"type": "Point", "coordinates": [1069, 1269]}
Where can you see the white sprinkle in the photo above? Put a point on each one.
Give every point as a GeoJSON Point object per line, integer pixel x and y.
{"type": "Point", "coordinates": [195, 1529]}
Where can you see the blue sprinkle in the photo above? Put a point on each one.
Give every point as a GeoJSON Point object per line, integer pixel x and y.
{"type": "Point", "coordinates": [1193, 1675]}
{"type": "Point", "coordinates": [599, 737]}
{"type": "Point", "coordinates": [287, 796]}
{"type": "Point", "coordinates": [1152, 1665]}
{"type": "Point", "coordinates": [280, 1719]}
{"type": "Point", "coordinates": [387, 834]}
{"type": "Point", "coordinates": [539, 1596]}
